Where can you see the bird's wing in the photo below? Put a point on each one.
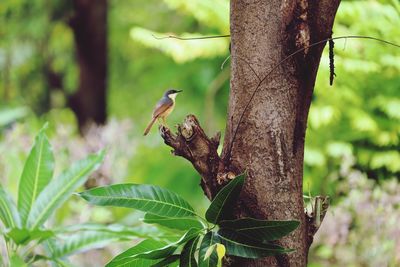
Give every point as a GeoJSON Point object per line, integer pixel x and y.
{"type": "Point", "coordinates": [162, 106]}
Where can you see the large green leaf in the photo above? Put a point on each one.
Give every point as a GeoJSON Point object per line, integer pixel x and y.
{"type": "Point", "coordinates": [260, 229]}
{"type": "Point", "coordinates": [8, 211]}
{"type": "Point", "coordinates": [117, 229]}
{"type": "Point", "coordinates": [24, 236]}
{"type": "Point", "coordinates": [148, 198]}
{"type": "Point", "coordinates": [128, 257]}
{"type": "Point", "coordinates": [60, 189]}
{"type": "Point", "coordinates": [180, 223]}
{"type": "Point", "coordinates": [187, 258]}
{"type": "Point", "coordinates": [224, 201]}
{"type": "Point", "coordinates": [208, 240]}
{"type": "Point", "coordinates": [84, 241]}
{"type": "Point", "coordinates": [36, 174]}
{"type": "Point", "coordinates": [237, 245]}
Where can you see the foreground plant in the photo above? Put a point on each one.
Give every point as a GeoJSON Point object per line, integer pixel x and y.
{"type": "Point", "coordinates": [204, 240]}
{"type": "Point", "coordinates": [39, 196]}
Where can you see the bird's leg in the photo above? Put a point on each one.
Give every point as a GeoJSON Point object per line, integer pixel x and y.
{"type": "Point", "coordinates": [164, 122]}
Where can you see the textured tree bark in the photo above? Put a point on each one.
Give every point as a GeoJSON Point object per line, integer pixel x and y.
{"type": "Point", "coordinates": [89, 25]}
{"type": "Point", "coordinates": [270, 139]}
{"type": "Point", "coordinates": [265, 134]}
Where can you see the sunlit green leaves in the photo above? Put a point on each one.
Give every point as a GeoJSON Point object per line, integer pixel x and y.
{"type": "Point", "coordinates": [148, 198]}
{"type": "Point", "coordinates": [224, 201]}
{"type": "Point", "coordinates": [116, 229]}
{"type": "Point", "coordinates": [39, 197]}
{"type": "Point", "coordinates": [360, 110]}
{"type": "Point", "coordinates": [178, 50]}
{"type": "Point", "coordinates": [61, 188]}
{"type": "Point", "coordinates": [84, 241]}
{"type": "Point", "coordinates": [207, 12]}
{"type": "Point", "coordinates": [37, 172]}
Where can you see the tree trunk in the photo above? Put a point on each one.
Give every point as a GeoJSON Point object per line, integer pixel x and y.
{"type": "Point", "coordinates": [267, 116]}
{"type": "Point", "coordinates": [89, 25]}
{"type": "Point", "coordinates": [269, 143]}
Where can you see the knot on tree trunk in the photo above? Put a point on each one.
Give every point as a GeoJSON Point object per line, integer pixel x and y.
{"type": "Point", "coordinates": [193, 144]}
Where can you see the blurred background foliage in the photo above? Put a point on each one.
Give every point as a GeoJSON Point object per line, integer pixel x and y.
{"type": "Point", "coordinates": [353, 125]}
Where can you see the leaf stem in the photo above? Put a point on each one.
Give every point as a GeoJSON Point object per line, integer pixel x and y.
{"type": "Point", "coordinates": [203, 221]}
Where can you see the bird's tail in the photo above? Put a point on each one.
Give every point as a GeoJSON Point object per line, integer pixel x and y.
{"type": "Point", "coordinates": [149, 126]}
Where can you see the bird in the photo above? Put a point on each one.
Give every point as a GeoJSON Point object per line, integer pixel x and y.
{"type": "Point", "coordinates": [163, 108]}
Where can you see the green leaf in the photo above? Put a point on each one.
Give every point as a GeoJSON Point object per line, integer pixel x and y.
{"type": "Point", "coordinates": [128, 256]}
{"type": "Point", "coordinates": [60, 189]}
{"type": "Point", "coordinates": [223, 202]}
{"type": "Point", "coordinates": [8, 211]}
{"type": "Point", "coordinates": [36, 174]}
{"type": "Point", "coordinates": [151, 249]}
{"type": "Point", "coordinates": [24, 236]}
{"type": "Point", "coordinates": [180, 223]}
{"type": "Point", "coordinates": [237, 245]}
{"type": "Point", "coordinates": [84, 241]}
{"type": "Point", "coordinates": [148, 198]}
{"type": "Point", "coordinates": [169, 249]}
{"type": "Point", "coordinates": [167, 261]}
{"type": "Point", "coordinates": [17, 261]}
{"type": "Point", "coordinates": [135, 262]}
{"type": "Point", "coordinates": [209, 240]}
{"type": "Point", "coordinates": [187, 258]}
{"type": "Point", "coordinates": [117, 229]}
{"type": "Point", "coordinates": [260, 229]}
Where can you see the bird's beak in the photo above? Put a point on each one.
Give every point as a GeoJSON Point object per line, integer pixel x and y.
{"type": "Point", "coordinates": [178, 91]}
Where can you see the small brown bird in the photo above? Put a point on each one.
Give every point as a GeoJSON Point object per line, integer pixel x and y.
{"type": "Point", "coordinates": [163, 108]}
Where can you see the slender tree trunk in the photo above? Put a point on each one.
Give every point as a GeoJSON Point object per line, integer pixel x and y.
{"type": "Point", "coordinates": [89, 25]}
{"type": "Point", "coordinates": [270, 139]}
{"type": "Point", "coordinates": [266, 128]}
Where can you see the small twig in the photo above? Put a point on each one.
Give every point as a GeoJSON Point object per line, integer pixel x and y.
{"type": "Point", "coordinates": [226, 60]}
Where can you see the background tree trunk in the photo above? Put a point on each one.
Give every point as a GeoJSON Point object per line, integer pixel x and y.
{"type": "Point", "coordinates": [269, 143]}
{"type": "Point", "coordinates": [89, 25]}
